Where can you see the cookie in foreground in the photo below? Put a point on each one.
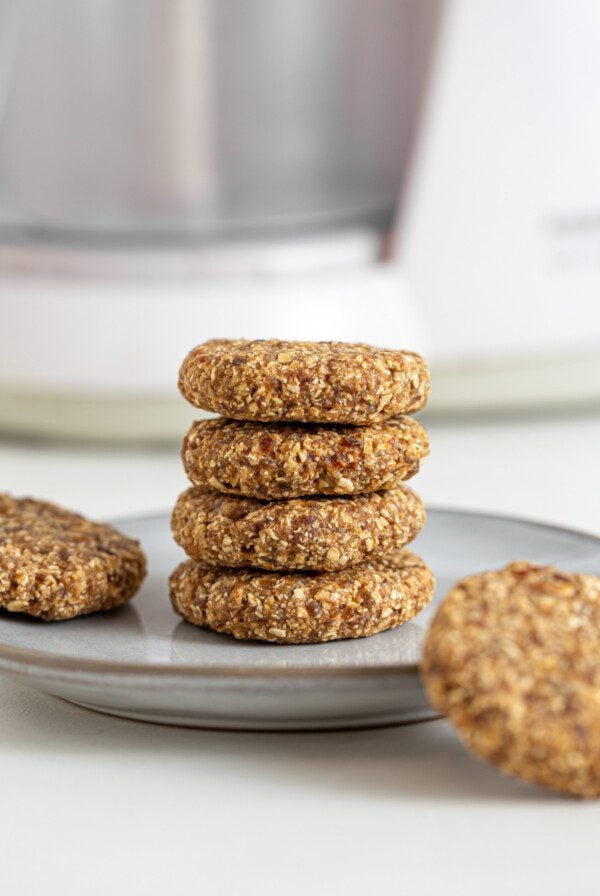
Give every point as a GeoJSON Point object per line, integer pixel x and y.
{"type": "Point", "coordinates": [288, 460]}
{"type": "Point", "coordinates": [318, 382]}
{"type": "Point", "coordinates": [298, 533]}
{"type": "Point", "coordinates": [55, 564]}
{"type": "Point", "coordinates": [303, 608]}
{"type": "Point", "coordinates": [512, 658]}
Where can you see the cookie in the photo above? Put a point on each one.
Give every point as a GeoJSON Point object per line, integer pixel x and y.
{"type": "Point", "coordinates": [55, 564]}
{"type": "Point", "coordinates": [287, 460]}
{"type": "Point", "coordinates": [303, 608]}
{"type": "Point", "coordinates": [300, 533]}
{"type": "Point", "coordinates": [310, 382]}
{"type": "Point", "coordinates": [513, 659]}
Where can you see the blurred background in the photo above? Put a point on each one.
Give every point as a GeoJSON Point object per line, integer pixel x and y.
{"type": "Point", "coordinates": [412, 173]}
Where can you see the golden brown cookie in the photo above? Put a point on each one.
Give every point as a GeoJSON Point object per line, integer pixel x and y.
{"type": "Point", "coordinates": [303, 608]}
{"type": "Point", "coordinates": [310, 382]}
{"type": "Point", "coordinates": [513, 659]}
{"type": "Point", "coordinates": [287, 460]}
{"type": "Point", "coordinates": [300, 533]}
{"type": "Point", "coordinates": [56, 565]}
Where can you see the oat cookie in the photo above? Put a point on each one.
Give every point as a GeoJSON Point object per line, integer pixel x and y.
{"type": "Point", "coordinates": [287, 460]}
{"type": "Point", "coordinates": [513, 659]}
{"type": "Point", "coordinates": [303, 608]}
{"type": "Point", "coordinates": [311, 382]}
{"type": "Point", "coordinates": [55, 564]}
{"type": "Point", "coordinates": [300, 533]}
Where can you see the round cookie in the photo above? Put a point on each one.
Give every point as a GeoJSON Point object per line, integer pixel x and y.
{"type": "Point", "coordinates": [287, 460]}
{"type": "Point", "coordinates": [300, 533]}
{"type": "Point", "coordinates": [303, 608]}
{"type": "Point", "coordinates": [310, 382]}
{"type": "Point", "coordinates": [512, 658]}
{"type": "Point", "coordinates": [55, 564]}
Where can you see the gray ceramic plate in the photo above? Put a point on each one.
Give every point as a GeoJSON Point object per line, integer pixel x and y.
{"type": "Point", "coordinates": [144, 663]}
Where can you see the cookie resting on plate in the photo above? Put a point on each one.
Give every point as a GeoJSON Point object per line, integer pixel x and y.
{"type": "Point", "coordinates": [55, 564]}
{"type": "Point", "coordinates": [303, 608]}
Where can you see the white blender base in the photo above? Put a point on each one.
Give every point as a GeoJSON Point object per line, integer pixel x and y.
{"type": "Point", "coordinates": [555, 383]}
{"type": "Point", "coordinates": [99, 360]}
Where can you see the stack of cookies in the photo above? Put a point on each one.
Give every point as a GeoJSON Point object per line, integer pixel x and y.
{"type": "Point", "coordinates": [298, 518]}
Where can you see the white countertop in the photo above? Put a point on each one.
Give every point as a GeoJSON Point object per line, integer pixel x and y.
{"type": "Point", "coordinates": [96, 805]}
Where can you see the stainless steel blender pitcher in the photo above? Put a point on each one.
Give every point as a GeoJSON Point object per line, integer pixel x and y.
{"type": "Point", "coordinates": [197, 119]}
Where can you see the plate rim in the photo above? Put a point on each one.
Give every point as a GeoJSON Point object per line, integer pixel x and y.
{"type": "Point", "coordinates": [11, 657]}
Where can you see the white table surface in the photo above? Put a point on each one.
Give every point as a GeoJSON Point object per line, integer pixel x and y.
{"type": "Point", "coordinates": [96, 805]}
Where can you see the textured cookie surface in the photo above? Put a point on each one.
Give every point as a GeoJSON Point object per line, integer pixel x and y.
{"type": "Point", "coordinates": [55, 564]}
{"type": "Point", "coordinates": [300, 533]}
{"type": "Point", "coordinates": [311, 382]}
{"type": "Point", "coordinates": [286, 460]}
{"type": "Point", "coordinates": [303, 608]}
{"type": "Point", "coordinates": [512, 658]}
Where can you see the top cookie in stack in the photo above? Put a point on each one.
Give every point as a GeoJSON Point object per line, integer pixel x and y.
{"type": "Point", "coordinates": [303, 382]}
{"type": "Point", "coordinates": [302, 472]}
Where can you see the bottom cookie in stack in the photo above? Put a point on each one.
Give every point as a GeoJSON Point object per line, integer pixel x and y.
{"type": "Point", "coordinates": [303, 607]}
